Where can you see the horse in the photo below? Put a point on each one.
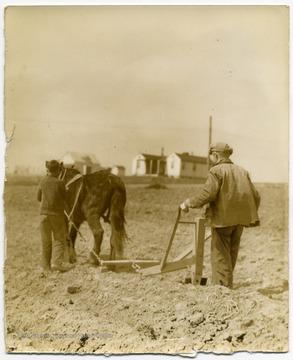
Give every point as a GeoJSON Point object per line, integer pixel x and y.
{"type": "Point", "coordinates": [89, 198]}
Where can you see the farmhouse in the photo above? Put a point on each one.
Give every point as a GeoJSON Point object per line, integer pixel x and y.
{"type": "Point", "coordinates": [147, 164]}
{"type": "Point", "coordinates": [186, 165]}
{"type": "Point", "coordinates": [118, 170]}
{"type": "Point", "coordinates": [85, 163]}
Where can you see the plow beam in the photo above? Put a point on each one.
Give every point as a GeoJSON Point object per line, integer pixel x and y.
{"type": "Point", "coordinates": [140, 263]}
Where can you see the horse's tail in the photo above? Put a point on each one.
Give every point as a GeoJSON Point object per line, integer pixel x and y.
{"type": "Point", "coordinates": [117, 217]}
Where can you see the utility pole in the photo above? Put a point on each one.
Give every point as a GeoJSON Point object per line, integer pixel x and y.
{"type": "Point", "coordinates": [210, 141]}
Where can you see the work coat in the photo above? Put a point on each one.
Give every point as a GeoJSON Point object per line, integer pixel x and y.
{"type": "Point", "coordinates": [52, 194]}
{"type": "Point", "coordinates": [232, 198]}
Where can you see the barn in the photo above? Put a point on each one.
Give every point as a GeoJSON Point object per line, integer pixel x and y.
{"type": "Point", "coordinates": [186, 165]}
{"type": "Point", "coordinates": [85, 163]}
{"type": "Point", "coordinates": [147, 164]}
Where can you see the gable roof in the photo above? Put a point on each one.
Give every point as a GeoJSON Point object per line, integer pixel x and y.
{"type": "Point", "coordinates": [192, 158]}
{"type": "Point", "coordinates": [81, 157]}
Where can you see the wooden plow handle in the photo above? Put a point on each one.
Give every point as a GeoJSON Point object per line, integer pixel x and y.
{"type": "Point", "coordinates": [164, 259]}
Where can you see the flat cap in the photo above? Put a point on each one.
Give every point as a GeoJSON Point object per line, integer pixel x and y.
{"type": "Point", "coordinates": [221, 147]}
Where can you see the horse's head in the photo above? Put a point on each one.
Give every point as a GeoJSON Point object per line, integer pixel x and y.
{"type": "Point", "coordinates": [66, 173]}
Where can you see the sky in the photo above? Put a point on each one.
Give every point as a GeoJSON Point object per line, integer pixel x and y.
{"type": "Point", "coordinates": [116, 81]}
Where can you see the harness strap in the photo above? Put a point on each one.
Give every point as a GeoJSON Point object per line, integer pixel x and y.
{"type": "Point", "coordinates": [71, 181]}
{"type": "Point", "coordinates": [69, 217]}
{"type": "Point", "coordinates": [62, 174]}
{"type": "Point", "coordinates": [82, 237]}
{"type": "Point", "coordinates": [76, 199]}
{"type": "Point", "coordinates": [76, 177]}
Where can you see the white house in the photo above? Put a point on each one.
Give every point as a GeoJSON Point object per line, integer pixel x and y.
{"type": "Point", "coordinates": [118, 170]}
{"type": "Point", "coordinates": [147, 164]}
{"type": "Point", "coordinates": [85, 163]}
{"type": "Point", "coordinates": [186, 165]}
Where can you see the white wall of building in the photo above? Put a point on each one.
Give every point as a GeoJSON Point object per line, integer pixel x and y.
{"type": "Point", "coordinates": [177, 168]}
{"type": "Point", "coordinates": [191, 169]}
{"type": "Point", "coordinates": [139, 165]}
{"type": "Point", "coordinates": [202, 170]}
{"type": "Point", "coordinates": [118, 171]}
{"type": "Point", "coordinates": [173, 165]}
{"type": "Point", "coordinates": [67, 160]}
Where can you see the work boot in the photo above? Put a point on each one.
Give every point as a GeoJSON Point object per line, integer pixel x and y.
{"type": "Point", "coordinates": [61, 268]}
{"type": "Point", "coordinates": [67, 265]}
{"type": "Point", "coordinates": [44, 272]}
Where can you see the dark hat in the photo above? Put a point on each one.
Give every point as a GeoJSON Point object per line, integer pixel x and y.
{"type": "Point", "coordinates": [221, 147]}
{"type": "Point", "coordinates": [52, 166]}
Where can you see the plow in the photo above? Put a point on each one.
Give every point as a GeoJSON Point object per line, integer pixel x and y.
{"type": "Point", "coordinates": [191, 258]}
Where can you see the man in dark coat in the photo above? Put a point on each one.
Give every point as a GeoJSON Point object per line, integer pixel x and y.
{"type": "Point", "coordinates": [233, 204]}
{"type": "Point", "coordinates": [52, 195]}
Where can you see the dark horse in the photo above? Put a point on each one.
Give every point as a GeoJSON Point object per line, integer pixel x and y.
{"type": "Point", "coordinates": [92, 197]}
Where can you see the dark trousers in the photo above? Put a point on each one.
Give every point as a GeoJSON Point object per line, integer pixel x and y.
{"type": "Point", "coordinates": [224, 251]}
{"type": "Point", "coordinates": [53, 247]}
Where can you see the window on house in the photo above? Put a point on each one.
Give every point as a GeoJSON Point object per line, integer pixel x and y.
{"type": "Point", "coordinates": [172, 164]}
{"type": "Point", "coordinates": [183, 166]}
{"type": "Point", "coordinates": [194, 167]}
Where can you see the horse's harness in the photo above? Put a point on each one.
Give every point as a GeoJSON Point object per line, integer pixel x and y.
{"type": "Point", "coordinates": [71, 181]}
{"type": "Point", "coordinates": [135, 266]}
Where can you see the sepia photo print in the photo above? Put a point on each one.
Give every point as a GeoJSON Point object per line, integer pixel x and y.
{"type": "Point", "coordinates": [146, 179]}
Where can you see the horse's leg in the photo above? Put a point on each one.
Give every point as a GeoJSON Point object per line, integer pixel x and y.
{"type": "Point", "coordinates": [98, 232]}
{"type": "Point", "coordinates": [72, 239]}
{"type": "Point", "coordinates": [115, 253]}
{"type": "Point", "coordinates": [117, 220]}
{"type": "Point", "coordinates": [70, 254]}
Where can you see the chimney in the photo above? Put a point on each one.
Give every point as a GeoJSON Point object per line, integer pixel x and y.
{"type": "Point", "coordinates": [162, 152]}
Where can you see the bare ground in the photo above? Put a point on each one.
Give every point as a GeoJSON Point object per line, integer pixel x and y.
{"type": "Point", "coordinates": [124, 312]}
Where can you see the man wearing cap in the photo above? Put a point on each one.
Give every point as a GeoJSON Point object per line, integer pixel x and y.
{"type": "Point", "coordinates": [52, 195]}
{"type": "Point", "coordinates": [233, 204]}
